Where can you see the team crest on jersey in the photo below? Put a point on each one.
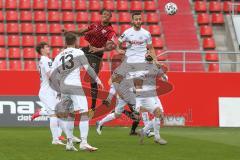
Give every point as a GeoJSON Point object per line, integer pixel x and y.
{"type": "Point", "coordinates": [104, 31]}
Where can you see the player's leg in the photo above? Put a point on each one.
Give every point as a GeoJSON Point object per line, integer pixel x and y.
{"type": "Point", "coordinates": [118, 111]}
{"type": "Point", "coordinates": [112, 92]}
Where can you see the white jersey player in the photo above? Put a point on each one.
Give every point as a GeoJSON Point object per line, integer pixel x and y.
{"type": "Point", "coordinates": [148, 100]}
{"type": "Point", "coordinates": [68, 63]}
{"type": "Point", "coordinates": [46, 94]}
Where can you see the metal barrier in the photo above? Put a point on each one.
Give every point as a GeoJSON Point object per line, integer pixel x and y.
{"type": "Point", "coordinates": [226, 61]}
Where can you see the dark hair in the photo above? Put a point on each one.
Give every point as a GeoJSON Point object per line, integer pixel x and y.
{"type": "Point", "coordinates": [40, 46]}
{"type": "Point", "coordinates": [70, 38]}
{"type": "Point", "coordinates": [136, 14]}
{"type": "Point", "coordinates": [106, 10]}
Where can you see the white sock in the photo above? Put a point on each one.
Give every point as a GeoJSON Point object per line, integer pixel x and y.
{"type": "Point", "coordinates": [60, 128]}
{"type": "Point", "coordinates": [156, 127]}
{"type": "Point", "coordinates": [112, 92]}
{"type": "Point", "coordinates": [145, 118]}
{"type": "Point", "coordinates": [108, 118]}
{"type": "Point", "coordinates": [147, 127]}
{"type": "Point", "coordinates": [64, 122]}
{"type": "Point", "coordinates": [54, 127]}
{"type": "Point", "coordinates": [84, 128]}
{"type": "Point", "coordinates": [43, 112]}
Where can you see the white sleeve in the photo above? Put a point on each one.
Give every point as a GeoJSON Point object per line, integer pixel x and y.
{"type": "Point", "coordinates": [149, 38]}
{"type": "Point", "coordinates": [123, 37]}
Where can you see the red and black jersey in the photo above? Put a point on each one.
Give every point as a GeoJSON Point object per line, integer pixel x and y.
{"type": "Point", "coordinates": [98, 35]}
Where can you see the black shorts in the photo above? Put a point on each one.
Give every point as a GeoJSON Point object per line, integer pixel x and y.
{"type": "Point", "coordinates": [94, 59]}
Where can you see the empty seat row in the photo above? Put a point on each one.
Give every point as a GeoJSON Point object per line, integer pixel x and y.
{"type": "Point", "coordinates": [121, 5]}
{"type": "Point", "coordinates": [18, 65]}
{"type": "Point", "coordinates": [215, 18]}
{"type": "Point", "coordinates": [55, 16]}
{"type": "Point", "coordinates": [215, 6]}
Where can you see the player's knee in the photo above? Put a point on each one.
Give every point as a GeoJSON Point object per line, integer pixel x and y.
{"type": "Point", "coordinates": [116, 78]}
{"type": "Point", "coordinates": [157, 112]}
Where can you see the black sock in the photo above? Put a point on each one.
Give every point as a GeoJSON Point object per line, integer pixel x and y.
{"type": "Point", "coordinates": [128, 113]}
{"type": "Point", "coordinates": [134, 126]}
{"type": "Point", "coordinates": [94, 93]}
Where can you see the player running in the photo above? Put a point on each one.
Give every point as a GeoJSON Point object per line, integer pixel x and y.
{"type": "Point", "coordinates": [66, 66]}
{"type": "Point", "coordinates": [148, 101]}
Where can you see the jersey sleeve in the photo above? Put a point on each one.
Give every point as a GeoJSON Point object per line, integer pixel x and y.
{"type": "Point", "coordinates": [112, 36]}
{"type": "Point", "coordinates": [123, 37]}
{"type": "Point", "coordinates": [91, 26]}
{"type": "Point", "coordinates": [149, 38]}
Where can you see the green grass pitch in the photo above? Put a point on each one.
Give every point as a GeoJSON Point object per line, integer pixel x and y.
{"type": "Point", "coordinates": [116, 144]}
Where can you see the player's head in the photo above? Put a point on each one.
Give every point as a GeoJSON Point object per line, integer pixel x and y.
{"type": "Point", "coordinates": [106, 15]}
{"type": "Point", "coordinates": [148, 58]}
{"type": "Point", "coordinates": [70, 39]}
{"type": "Point", "coordinates": [43, 48]}
{"type": "Point", "coordinates": [137, 20]}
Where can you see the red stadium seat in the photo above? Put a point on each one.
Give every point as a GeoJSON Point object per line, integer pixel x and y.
{"type": "Point", "coordinates": [67, 5]}
{"type": "Point", "coordinates": [94, 5]}
{"type": "Point", "coordinates": [53, 16]}
{"type": "Point", "coordinates": [26, 16]}
{"type": "Point", "coordinates": [159, 56]}
{"type": "Point", "coordinates": [56, 41]}
{"type": "Point", "coordinates": [155, 29]}
{"type": "Point", "coordinates": [11, 15]}
{"type": "Point", "coordinates": [122, 5]}
{"type": "Point", "coordinates": [70, 27]}
{"type": "Point", "coordinates": [1, 4]}
{"type": "Point", "coordinates": [3, 53]}
{"type": "Point", "coordinates": [157, 42]}
{"type": "Point", "coordinates": [82, 17]}
{"type": "Point", "coordinates": [211, 56]}
{"type": "Point", "coordinates": [42, 39]}
{"type": "Point", "coordinates": [1, 27]}
{"type": "Point", "coordinates": [3, 65]}
{"type": "Point", "coordinates": [1, 16]}
{"type": "Point", "coordinates": [136, 5]}
{"type": "Point", "coordinates": [206, 31]}
{"type": "Point", "coordinates": [80, 5]}
{"type": "Point", "coordinates": [30, 65]}
{"type": "Point", "coordinates": [40, 16]}
{"type": "Point", "coordinates": [83, 42]}
{"type": "Point", "coordinates": [24, 4]}
{"type": "Point", "coordinates": [200, 6]}
{"type": "Point", "coordinates": [227, 7]}
{"type": "Point", "coordinates": [124, 17]}
{"type": "Point", "coordinates": [29, 53]}
{"type": "Point", "coordinates": [213, 67]}
{"type": "Point", "coordinates": [108, 4]}
{"type": "Point", "coordinates": [13, 41]}
{"type": "Point", "coordinates": [152, 18]}
{"type": "Point", "coordinates": [217, 19]}
{"type": "Point", "coordinates": [115, 28]}
{"type": "Point", "coordinates": [52, 5]}
{"type": "Point", "coordinates": [150, 5]}
{"type": "Point", "coordinates": [2, 40]}
{"type": "Point", "coordinates": [38, 4]}
{"type": "Point", "coordinates": [11, 4]}
{"type": "Point", "coordinates": [203, 18]}
{"type": "Point", "coordinates": [27, 28]}
{"type": "Point", "coordinates": [55, 52]}
{"type": "Point", "coordinates": [28, 41]}
{"type": "Point", "coordinates": [41, 28]}
{"type": "Point", "coordinates": [55, 28]}
{"type": "Point", "coordinates": [15, 65]}
{"type": "Point", "coordinates": [12, 28]}
{"type": "Point", "coordinates": [124, 27]}
{"type": "Point", "coordinates": [214, 6]}
{"type": "Point", "coordinates": [95, 17]}
{"type": "Point", "coordinates": [68, 16]}
{"type": "Point", "coordinates": [238, 9]}
{"type": "Point", "coordinates": [209, 43]}
{"type": "Point", "coordinates": [114, 18]}
{"type": "Point", "coordinates": [82, 26]}
{"type": "Point", "coordinates": [14, 53]}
